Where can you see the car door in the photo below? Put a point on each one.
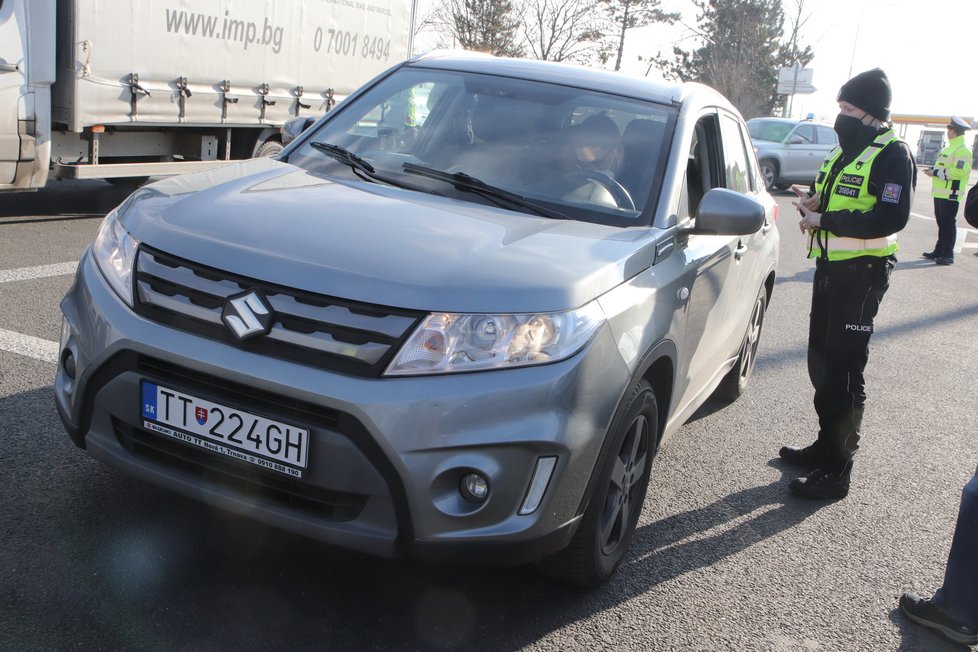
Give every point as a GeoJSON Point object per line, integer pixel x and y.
{"type": "Point", "coordinates": [712, 307]}
{"type": "Point", "coordinates": [802, 153]}
{"type": "Point", "coordinates": [740, 174]}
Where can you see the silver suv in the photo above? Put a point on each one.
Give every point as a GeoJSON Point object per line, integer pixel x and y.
{"type": "Point", "coordinates": [455, 318]}
{"type": "Point", "coordinates": [790, 151]}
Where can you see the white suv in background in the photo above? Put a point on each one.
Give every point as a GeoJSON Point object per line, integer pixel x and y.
{"type": "Point", "coordinates": [790, 151]}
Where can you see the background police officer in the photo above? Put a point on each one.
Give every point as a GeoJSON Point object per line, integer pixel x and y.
{"type": "Point", "coordinates": [949, 180]}
{"type": "Point", "coordinates": [861, 199]}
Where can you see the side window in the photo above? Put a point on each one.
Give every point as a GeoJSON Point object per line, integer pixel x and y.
{"type": "Point", "coordinates": [703, 170]}
{"type": "Point", "coordinates": [735, 158]}
{"type": "Point", "coordinates": [827, 136]}
{"type": "Point", "coordinates": [806, 133]}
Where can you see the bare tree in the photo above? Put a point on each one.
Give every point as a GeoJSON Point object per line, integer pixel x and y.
{"type": "Point", "coordinates": [741, 52]}
{"type": "Point", "coordinates": [628, 14]}
{"type": "Point", "coordinates": [485, 25]}
{"type": "Point", "coordinates": [562, 30]}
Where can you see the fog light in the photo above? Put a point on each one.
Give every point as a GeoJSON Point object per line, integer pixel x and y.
{"type": "Point", "coordinates": [68, 363]}
{"type": "Point", "coordinates": [474, 487]}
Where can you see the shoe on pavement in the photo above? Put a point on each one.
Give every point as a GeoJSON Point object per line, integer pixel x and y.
{"type": "Point", "coordinates": [822, 484]}
{"type": "Point", "coordinates": [923, 611]}
{"type": "Point", "coordinates": [809, 457]}
{"type": "Point", "coordinates": [929, 255]}
{"type": "Point", "coordinates": [944, 261]}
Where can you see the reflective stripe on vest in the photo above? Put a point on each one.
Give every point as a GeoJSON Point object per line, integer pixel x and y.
{"type": "Point", "coordinates": [850, 191]}
{"type": "Point", "coordinates": [947, 188]}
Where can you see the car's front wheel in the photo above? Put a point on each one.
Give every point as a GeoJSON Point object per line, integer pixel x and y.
{"type": "Point", "coordinates": [769, 172]}
{"type": "Point", "coordinates": [606, 530]}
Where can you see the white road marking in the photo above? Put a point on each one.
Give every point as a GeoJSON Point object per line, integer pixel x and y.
{"type": "Point", "coordinates": [38, 271]}
{"type": "Point", "coordinates": [32, 347]}
{"type": "Point", "coordinates": [965, 245]}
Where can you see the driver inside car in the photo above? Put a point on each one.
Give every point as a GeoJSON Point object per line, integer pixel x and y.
{"type": "Point", "coordinates": [597, 156]}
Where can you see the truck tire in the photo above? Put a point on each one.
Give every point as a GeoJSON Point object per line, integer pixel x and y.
{"type": "Point", "coordinates": [606, 531]}
{"type": "Point", "coordinates": [269, 148]}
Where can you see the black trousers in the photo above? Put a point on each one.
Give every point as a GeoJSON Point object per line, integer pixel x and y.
{"type": "Point", "coordinates": [946, 212]}
{"type": "Point", "coordinates": [845, 298]}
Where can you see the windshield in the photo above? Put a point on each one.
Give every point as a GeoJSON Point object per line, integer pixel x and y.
{"type": "Point", "coordinates": [772, 130]}
{"type": "Point", "coordinates": [587, 155]}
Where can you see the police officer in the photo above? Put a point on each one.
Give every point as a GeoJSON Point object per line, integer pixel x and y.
{"type": "Point", "coordinates": [949, 180]}
{"type": "Point", "coordinates": [861, 199]}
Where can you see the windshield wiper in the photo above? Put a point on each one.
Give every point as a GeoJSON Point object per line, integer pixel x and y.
{"type": "Point", "coordinates": [344, 155]}
{"type": "Point", "coordinates": [360, 166]}
{"type": "Point", "coordinates": [467, 183]}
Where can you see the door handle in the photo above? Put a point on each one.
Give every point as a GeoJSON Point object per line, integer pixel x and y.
{"type": "Point", "coordinates": [8, 67]}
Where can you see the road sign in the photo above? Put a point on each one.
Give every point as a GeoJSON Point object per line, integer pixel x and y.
{"type": "Point", "coordinates": [787, 88]}
{"type": "Point", "coordinates": [795, 80]}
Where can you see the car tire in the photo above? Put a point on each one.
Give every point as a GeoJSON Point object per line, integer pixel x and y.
{"type": "Point", "coordinates": [735, 382]}
{"type": "Point", "coordinates": [609, 522]}
{"type": "Point", "coordinates": [769, 172]}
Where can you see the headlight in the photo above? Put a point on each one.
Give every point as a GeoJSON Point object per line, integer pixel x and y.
{"type": "Point", "coordinates": [115, 251]}
{"type": "Point", "coordinates": [450, 343]}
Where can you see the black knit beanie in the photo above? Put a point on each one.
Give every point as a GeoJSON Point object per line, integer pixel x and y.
{"type": "Point", "coordinates": [870, 91]}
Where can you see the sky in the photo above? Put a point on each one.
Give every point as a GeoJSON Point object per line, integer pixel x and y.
{"type": "Point", "coordinates": [903, 37]}
{"type": "Point", "coordinates": [906, 38]}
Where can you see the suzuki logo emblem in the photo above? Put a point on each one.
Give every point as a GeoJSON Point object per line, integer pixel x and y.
{"type": "Point", "coordinates": [247, 315]}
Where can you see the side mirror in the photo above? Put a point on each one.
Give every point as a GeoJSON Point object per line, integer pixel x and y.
{"type": "Point", "coordinates": [796, 140]}
{"type": "Point", "coordinates": [726, 212]}
{"type": "Point", "coordinates": [293, 127]}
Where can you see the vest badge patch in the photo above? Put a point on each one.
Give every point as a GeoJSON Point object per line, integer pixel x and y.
{"type": "Point", "coordinates": [852, 179]}
{"type": "Point", "coordinates": [846, 191]}
{"type": "Point", "coordinates": [891, 193]}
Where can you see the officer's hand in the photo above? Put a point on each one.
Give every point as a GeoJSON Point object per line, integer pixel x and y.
{"type": "Point", "coordinates": [929, 172]}
{"type": "Point", "coordinates": [810, 203]}
{"type": "Point", "coordinates": [810, 220]}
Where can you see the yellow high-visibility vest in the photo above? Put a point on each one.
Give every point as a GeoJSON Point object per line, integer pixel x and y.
{"type": "Point", "coordinates": [951, 170]}
{"type": "Point", "coordinates": [850, 191]}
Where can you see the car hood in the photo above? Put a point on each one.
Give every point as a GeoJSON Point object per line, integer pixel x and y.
{"type": "Point", "coordinates": [273, 221]}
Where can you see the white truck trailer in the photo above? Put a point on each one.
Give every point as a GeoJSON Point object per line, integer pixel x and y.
{"type": "Point", "coordinates": [122, 89]}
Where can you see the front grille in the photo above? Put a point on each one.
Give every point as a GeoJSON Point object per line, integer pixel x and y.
{"type": "Point", "coordinates": [319, 330]}
{"type": "Point", "coordinates": [242, 478]}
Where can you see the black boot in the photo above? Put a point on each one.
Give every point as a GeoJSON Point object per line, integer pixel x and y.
{"type": "Point", "coordinates": [809, 457]}
{"type": "Point", "coordinates": [929, 255]}
{"type": "Point", "coordinates": [822, 484]}
{"type": "Point", "coordinates": [925, 612]}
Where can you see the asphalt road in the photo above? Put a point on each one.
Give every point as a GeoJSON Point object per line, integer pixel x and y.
{"type": "Point", "coordinates": [723, 558]}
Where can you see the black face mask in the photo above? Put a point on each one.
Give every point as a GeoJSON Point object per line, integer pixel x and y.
{"type": "Point", "coordinates": [848, 129]}
{"type": "Point", "coordinates": [852, 132]}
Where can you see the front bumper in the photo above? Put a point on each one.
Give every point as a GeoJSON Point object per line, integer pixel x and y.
{"type": "Point", "coordinates": [387, 455]}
